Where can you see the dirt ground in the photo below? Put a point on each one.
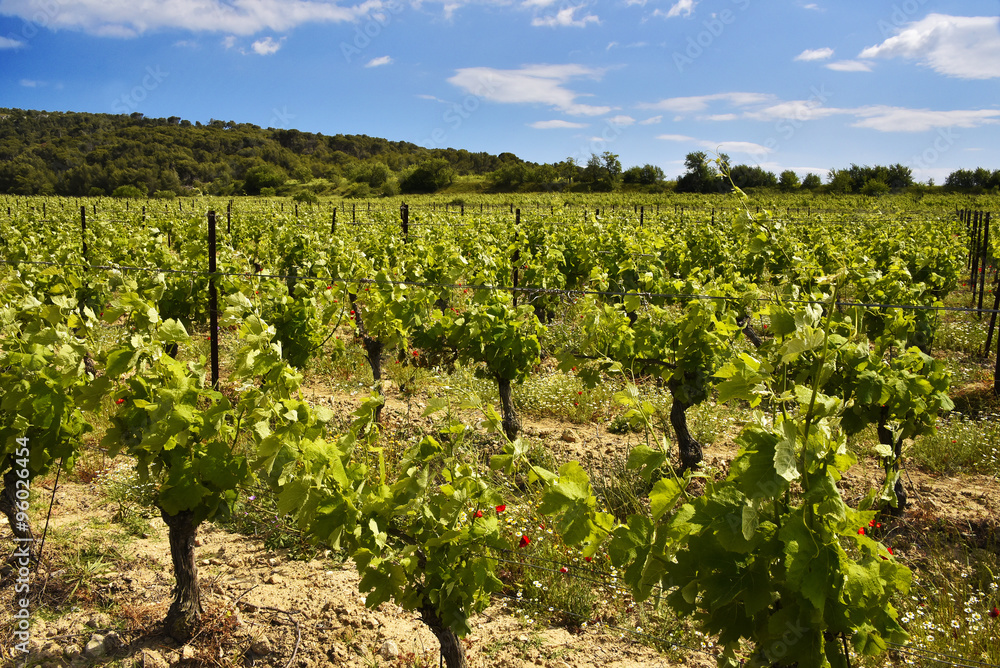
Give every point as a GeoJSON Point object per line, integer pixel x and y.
{"type": "Point", "coordinates": [264, 609]}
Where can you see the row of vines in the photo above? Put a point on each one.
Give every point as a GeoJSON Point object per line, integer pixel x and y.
{"type": "Point", "coordinates": [822, 320]}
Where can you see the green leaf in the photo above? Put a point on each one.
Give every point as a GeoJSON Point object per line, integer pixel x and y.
{"type": "Point", "coordinates": [785, 463]}
{"type": "Point", "coordinates": [664, 496]}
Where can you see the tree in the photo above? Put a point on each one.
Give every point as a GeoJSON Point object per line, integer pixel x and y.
{"type": "Point", "coordinates": [746, 176]}
{"type": "Point", "coordinates": [647, 175]}
{"type": "Point", "coordinates": [811, 181]}
{"type": "Point", "coordinates": [263, 176]}
{"type": "Point", "coordinates": [700, 177]}
{"type": "Point", "coordinates": [789, 180]}
{"type": "Point", "coordinates": [429, 176]}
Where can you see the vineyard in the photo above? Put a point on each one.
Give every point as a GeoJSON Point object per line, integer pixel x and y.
{"type": "Point", "coordinates": [716, 427]}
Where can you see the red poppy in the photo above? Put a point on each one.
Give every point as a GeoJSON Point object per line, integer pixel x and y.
{"type": "Point", "coordinates": [994, 613]}
{"type": "Point", "coordinates": [564, 570]}
{"type": "Point", "coordinates": [871, 523]}
{"type": "Point", "coordinates": [861, 531]}
{"type": "Point", "coordinates": [501, 508]}
{"type": "Point", "coordinates": [415, 353]}
{"type": "Point", "coordinates": [120, 401]}
{"type": "Point", "coordinates": [890, 550]}
{"type": "Point", "coordinates": [479, 513]}
{"type": "Point", "coordinates": [588, 559]}
{"type": "Point", "coordinates": [524, 541]}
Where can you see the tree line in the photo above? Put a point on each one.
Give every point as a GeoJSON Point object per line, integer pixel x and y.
{"type": "Point", "coordinates": [84, 154]}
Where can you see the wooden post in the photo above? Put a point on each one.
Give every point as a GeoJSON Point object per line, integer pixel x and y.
{"type": "Point", "coordinates": [354, 215]}
{"type": "Point", "coordinates": [229, 218]}
{"type": "Point", "coordinates": [83, 229]}
{"type": "Point", "coordinates": [982, 268]}
{"type": "Point", "coordinates": [333, 223]}
{"type": "Point", "coordinates": [642, 214]}
{"type": "Point", "coordinates": [974, 254]}
{"type": "Point", "coordinates": [404, 215]}
{"type": "Point", "coordinates": [213, 301]}
{"type": "Point", "coordinates": [516, 259]}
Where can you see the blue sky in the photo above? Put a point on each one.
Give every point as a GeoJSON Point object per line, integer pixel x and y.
{"type": "Point", "coordinates": [785, 84]}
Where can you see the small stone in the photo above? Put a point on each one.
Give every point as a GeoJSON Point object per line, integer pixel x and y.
{"type": "Point", "coordinates": [94, 648]}
{"type": "Point", "coordinates": [99, 620]}
{"type": "Point", "coordinates": [390, 650]}
{"type": "Point", "coordinates": [197, 542]}
{"type": "Point", "coordinates": [215, 562]}
{"type": "Point", "coordinates": [275, 579]}
{"type": "Point", "coordinates": [150, 658]}
{"type": "Point", "coordinates": [113, 642]}
{"type": "Point", "coordinates": [205, 562]}
{"type": "Point", "coordinates": [560, 664]}
{"type": "Point", "coordinates": [72, 652]}
{"type": "Point", "coordinates": [522, 638]}
{"type": "Point", "coordinates": [187, 653]}
{"type": "Point", "coordinates": [272, 562]}
{"type": "Point", "coordinates": [261, 646]}
{"type": "Point", "coordinates": [569, 436]}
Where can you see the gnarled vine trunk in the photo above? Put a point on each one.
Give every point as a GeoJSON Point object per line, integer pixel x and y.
{"type": "Point", "coordinates": [511, 423]}
{"type": "Point", "coordinates": [451, 647]}
{"type": "Point", "coordinates": [184, 616]}
{"type": "Point", "coordinates": [373, 353]}
{"type": "Point", "coordinates": [688, 446]}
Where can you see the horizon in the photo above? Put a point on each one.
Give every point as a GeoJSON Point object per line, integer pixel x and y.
{"type": "Point", "coordinates": [648, 81]}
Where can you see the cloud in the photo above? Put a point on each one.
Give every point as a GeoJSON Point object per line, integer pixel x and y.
{"type": "Point", "coordinates": [621, 121]}
{"type": "Point", "coordinates": [682, 8]}
{"type": "Point", "coordinates": [31, 83]}
{"type": "Point", "coordinates": [900, 119]}
{"type": "Point", "coordinates": [532, 84]}
{"type": "Point", "coordinates": [701, 102]}
{"type": "Point", "coordinates": [239, 17]}
{"type": "Point", "coordinates": [680, 138]}
{"type": "Point", "coordinates": [815, 54]}
{"type": "Point", "coordinates": [966, 47]}
{"type": "Point", "coordinates": [556, 125]}
{"type": "Point", "coordinates": [229, 41]}
{"type": "Point", "coordinates": [8, 43]}
{"type": "Point", "coordinates": [266, 46]}
{"type": "Point", "coordinates": [721, 146]}
{"type": "Point", "coordinates": [380, 61]}
{"type": "Point", "coordinates": [565, 18]}
{"type": "Point", "coordinates": [652, 120]}
{"type": "Point", "coordinates": [849, 66]}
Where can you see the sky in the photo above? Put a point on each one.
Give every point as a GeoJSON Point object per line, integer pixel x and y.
{"type": "Point", "coordinates": [783, 84]}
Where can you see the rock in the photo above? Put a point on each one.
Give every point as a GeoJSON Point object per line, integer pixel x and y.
{"type": "Point", "coordinates": [72, 652]}
{"type": "Point", "coordinates": [215, 562]}
{"type": "Point", "coordinates": [50, 650]}
{"type": "Point", "coordinates": [205, 562]}
{"type": "Point", "coordinates": [94, 649]}
{"type": "Point", "coordinates": [390, 650]}
{"type": "Point", "coordinates": [569, 436]}
{"type": "Point", "coordinates": [99, 620]}
{"type": "Point", "coordinates": [560, 664]}
{"type": "Point", "coordinates": [150, 658]}
{"type": "Point", "coordinates": [522, 638]}
{"type": "Point", "coordinates": [113, 642]}
{"type": "Point", "coordinates": [275, 579]}
{"type": "Point", "coordinates": [261, 646]}
{"type": "Point", "coordinates": [187, 653]}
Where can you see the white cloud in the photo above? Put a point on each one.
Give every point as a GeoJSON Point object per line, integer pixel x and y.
{"type": "Point", "coordinates": [556, 125]}
{"type": "Point", "coordinates": [681, 138]}
{"type": "Point", "coordinates": [849, 66]}
{"type": "Point", "coordinates": [538, 3]}
{"type": "Point", "coordinates": [229, 41]}
{"type": "Point", "coordinates": [721, 146]}
{"type": "Point", "coordinates": [967, 47]}
{"type": "Point", "coordinates": [621, 121]}
{"type": "Point", "coordinates": [682, 8]}
{"type": "Point", "coordinates": [31, 83]}
{"type": "Point", "coordinates": [380, 61]}
{"type": "Point", "coordinates": [565, 18]}
{"type": "Point", "coordinates": [815, 54]}
{"type": "Point", "coordinates": [701, 102]}
{"type": "Point", "coordinates": [532, 84]}
{"type": "Point", "coordinates": [8, 43]}
{"type": "Point", "coordinates": [722, 117]}
{"type": "Point", "coordinates": [900, 119]}
{"type": "Point", "coordinates": [120, 18]}
{"type": "Point", "coordinates": [266, 46]}
{"type": "Point", "coordinates": [652, 120]}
